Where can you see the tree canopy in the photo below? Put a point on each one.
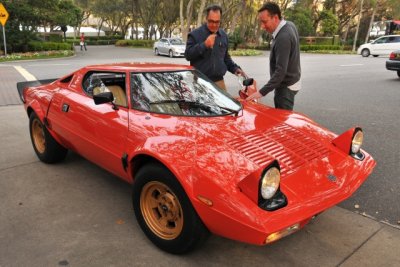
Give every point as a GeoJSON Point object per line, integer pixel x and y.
{"type": "Point", "coordinates": [312, 17]}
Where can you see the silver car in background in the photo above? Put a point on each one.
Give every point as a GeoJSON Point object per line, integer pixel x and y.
{"type": "Point", "coordinates": [172, 47]}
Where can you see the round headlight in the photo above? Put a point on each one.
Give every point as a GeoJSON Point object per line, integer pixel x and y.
{"type": "Point", "coordinates": [270, 183]}
{"type": "Point", "coordinates": [357, 142]}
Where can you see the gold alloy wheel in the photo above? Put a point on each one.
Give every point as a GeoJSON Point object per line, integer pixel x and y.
{"type": "Point", "coordinates": [38, 135]}
{"type": "Point", "coordinates": [161, 210]}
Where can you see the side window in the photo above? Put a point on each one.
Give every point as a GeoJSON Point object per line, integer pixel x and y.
{"type": "Point", "coordinates": [396, 39]}
{"type": "Point", "coordinates": [382, 40]}
{"type": "Point", "coordinates": [100, 82]}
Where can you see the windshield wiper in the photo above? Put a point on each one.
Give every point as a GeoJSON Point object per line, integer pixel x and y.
{"type": "Point", "coordinates": [234, 111]}
{"type": "Point", "coordinates": [195, 103]}
{"type": "Point", "coordinates": [169, 101]}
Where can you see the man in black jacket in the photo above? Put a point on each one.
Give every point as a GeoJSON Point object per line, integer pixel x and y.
{"type": "Point", "coordinates": [207, 49]}
{"type": "Point", "coordinates": [284, 58]}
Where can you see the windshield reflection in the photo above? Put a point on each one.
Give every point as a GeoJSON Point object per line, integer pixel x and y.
{"type": "Point", "coordinates": [177, 42]}
{"type": "Point", "coordinates": [184, 93]}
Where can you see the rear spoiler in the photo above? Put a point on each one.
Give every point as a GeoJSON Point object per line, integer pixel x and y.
{"type": "Point", "coordinates": [21, 86]}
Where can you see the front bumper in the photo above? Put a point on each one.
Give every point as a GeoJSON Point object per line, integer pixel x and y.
{"type": "Point", "coordinates": [179, 53]}
{"type": "Point", "coordinates": [309, 193]}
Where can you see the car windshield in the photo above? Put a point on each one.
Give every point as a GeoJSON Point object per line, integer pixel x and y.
{"type": "Point", "coordinates": [184, 93]}
{"type": "Point", "coordinates": [177, 42]}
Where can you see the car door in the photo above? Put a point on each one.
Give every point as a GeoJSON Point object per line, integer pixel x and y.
{"type": "Point", "coordinates": [380, 46]}
{"type": "Point", "coordinates": [161, 46]}
{"type": "Point", "coordinates": [394, 44]}
{"type": "Point", "coordinates": [168, 45]}
{"type": "Point", "coordinates": [97, 132]}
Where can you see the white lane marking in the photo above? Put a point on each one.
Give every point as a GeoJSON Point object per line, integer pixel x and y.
{"type": "Point", "coordinates": [351, 65]}
{"type": "Point", "coordinates": [25, 73]}
{"type": "Point", "coordinates": [40, 65]}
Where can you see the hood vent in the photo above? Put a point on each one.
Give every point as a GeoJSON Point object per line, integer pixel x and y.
{"type": "Point", "coordinates": [290, 147]}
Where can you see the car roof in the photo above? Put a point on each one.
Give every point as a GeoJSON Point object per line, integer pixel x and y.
{"type": "Point", "coordinates": [392, 35]}
{"type": "Point", "coordinates": [139, 67]}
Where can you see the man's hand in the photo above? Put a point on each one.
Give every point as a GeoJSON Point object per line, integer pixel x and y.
{"type": "Point", "coordinates": [240, 72]}
{"type": "Point", "coordinates": [209, 42]}
{"type": "Point", "coordinates": [254, 96]}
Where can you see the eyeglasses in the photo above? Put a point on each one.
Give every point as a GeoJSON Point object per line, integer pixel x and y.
{"type": "Point", "coordinates": [210, 21]}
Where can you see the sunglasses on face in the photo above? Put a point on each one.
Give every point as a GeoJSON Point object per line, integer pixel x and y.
{"type": "Point", "coordinates": [216, 22]}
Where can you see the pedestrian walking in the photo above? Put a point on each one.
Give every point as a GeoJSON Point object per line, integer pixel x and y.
{"type": "Point", "coordinates": [83, 43]}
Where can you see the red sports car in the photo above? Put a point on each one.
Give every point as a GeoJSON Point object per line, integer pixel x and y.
{"type": "Point", "coordinates": [199, 160]}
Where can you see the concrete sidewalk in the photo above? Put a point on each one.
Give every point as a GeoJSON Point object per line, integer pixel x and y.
{"type": "Point", "coordinates": [76, 214]}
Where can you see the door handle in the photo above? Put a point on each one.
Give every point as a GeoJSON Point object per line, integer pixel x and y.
{"type": "Point", "coordinates": [65, 108]}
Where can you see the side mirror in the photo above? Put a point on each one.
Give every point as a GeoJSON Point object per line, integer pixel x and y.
{"type": "Point", "coordinates": [105, 97]}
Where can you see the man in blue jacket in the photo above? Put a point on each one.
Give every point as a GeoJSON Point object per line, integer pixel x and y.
{"type": "Point", "coordinates": [207, 49]}
{"type": "Point", "coordinates": [284, 58]}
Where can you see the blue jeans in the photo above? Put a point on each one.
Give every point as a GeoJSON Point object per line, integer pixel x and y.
{"type": "Point", "coordinates": [284, 98]}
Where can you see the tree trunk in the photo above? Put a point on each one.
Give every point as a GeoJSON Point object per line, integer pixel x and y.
{"type": "Point", "coordinates": [184, 37]}
{"type": "Point", "coordinates": [133, 19]}
{"type": "Point", "coordinates": [358, 26]}
{"type": "Point", "coordinates": [235, 18]}
{"type": "Point", "coordinates": [371, 22]}
{"type": "Point", "coordinates": [200, 14]}
{"type": "Point", "coordinates": [100, 25]}
{"type": "Point", "coordinates": [189, 14]}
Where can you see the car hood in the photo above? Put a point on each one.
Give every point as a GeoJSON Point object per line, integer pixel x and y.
{"type": "Point", "coordinates": [230, 149]}
{"type": "Point", "coordinates": [240, 144]}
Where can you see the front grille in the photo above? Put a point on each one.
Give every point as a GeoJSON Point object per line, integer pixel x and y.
{"type": "Point", "coordinates": [289, 146]}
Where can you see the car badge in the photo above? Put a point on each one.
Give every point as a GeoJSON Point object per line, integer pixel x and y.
{"type": "Point", "coordinates": [331, 177]}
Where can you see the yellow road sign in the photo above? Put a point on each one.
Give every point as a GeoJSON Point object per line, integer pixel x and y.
{"type": "Point", "coordinates": [3, 15]}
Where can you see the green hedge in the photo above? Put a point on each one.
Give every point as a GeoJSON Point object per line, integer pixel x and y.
{"type": "Point", "coordinates": [312, 40]}
{"type": "Point", "coordinates": [135, 43]}
{"type": "Point", "coordinates": [320, 47]}
{"type": "Point", "coordinates": [92, 42]}
{"type": "Point", "coordinates": [47, 46]}
{"type": "Point", "coordinates": [97, 38]}
{"type": "Point", "coordinates": [245, 52]}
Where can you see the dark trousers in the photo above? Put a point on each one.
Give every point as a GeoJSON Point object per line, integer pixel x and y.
{"type": "Point", "coordinates": [284, 98]}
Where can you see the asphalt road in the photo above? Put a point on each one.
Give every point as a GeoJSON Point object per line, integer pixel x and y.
{"type": "Point", "coordinates": [338, 92]}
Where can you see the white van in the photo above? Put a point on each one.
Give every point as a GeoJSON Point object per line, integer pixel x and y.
{"type": "Point", "coordinates": [382, 46]}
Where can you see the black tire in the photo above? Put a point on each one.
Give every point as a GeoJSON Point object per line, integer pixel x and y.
{"type": "Point", "coordinates": [365, 52]}
{"type": "Point", "coordinates": [156, 52]}
{"type": "Point", "coordinates": [171, 53]}
{"type": "Point", "coordinates": [164, 212]}
{"type": "Point", "coordinates": [398, 73]}
{"type": "Point", "coordinates": [46, 147]}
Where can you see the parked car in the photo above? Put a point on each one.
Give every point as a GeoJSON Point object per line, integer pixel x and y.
{"type": "Point", "coordinates": [382, 46]}
{"type": "Point", "coordinates": [394, 62]}
{"type": "Point", "coordinates": [199, 160]}
{"type": "Point", "coordinates": [173, 47]}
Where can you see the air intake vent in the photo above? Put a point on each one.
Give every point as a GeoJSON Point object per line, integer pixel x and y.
{"type": "Point", "coordinates": [290, 147]}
